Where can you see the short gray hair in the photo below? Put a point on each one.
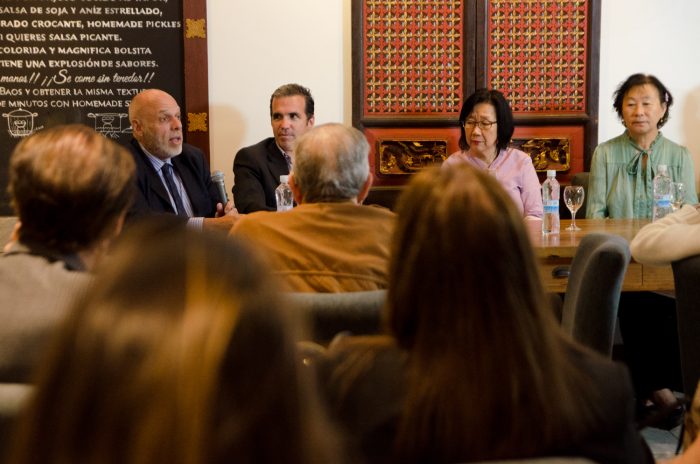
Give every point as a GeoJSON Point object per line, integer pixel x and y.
{"type": "Point", "coordinates": [331, 163]}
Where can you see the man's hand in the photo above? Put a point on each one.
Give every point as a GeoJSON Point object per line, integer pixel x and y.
{"type": "Point", "coordinates": [222, 222]}
{"type": "Point", "coordinates": [227, 210]}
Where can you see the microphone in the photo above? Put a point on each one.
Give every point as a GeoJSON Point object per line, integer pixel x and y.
{"type": "Point", "coordinates": [218, 178]}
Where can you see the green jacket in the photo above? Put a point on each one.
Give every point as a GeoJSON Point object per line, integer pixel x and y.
{"type": "Point", "coordinates": [619, 188]}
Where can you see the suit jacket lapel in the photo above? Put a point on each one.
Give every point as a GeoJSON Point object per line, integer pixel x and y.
{"type": "Point", "coordinates": [189, 180]}
{"type": "Point", "coordinates": [276, 162]}
{"type": "Point", "coordinates": [153, 181]}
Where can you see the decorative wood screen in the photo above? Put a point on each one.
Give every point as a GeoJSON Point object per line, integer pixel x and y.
{"type": "Point", "coordinates": [538, 54]}
{"type": "Point", "coordinates": [415, 61]}
{"type": "Point", "coordinates": [413, 57]}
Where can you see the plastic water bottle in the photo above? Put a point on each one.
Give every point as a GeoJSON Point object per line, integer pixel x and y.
{"type": "Point", "coordinates": [550, 201]}
{"type": "Point", "coordinates": [662, 193]}
{"type": "Point", "coordinates": [283, 194]}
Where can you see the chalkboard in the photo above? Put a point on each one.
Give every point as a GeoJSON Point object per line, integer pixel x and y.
{"type": "Point", "coordinates": [66, 61]}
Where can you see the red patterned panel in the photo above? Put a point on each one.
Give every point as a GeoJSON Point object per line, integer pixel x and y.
{"type": "Point", "coordinates": [537, 54]}
{"type": "Point", "coordinates": [412, 57]}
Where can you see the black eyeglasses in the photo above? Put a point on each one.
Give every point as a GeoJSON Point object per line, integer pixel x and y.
{"type": "Point", "coordinates": [483, 125]}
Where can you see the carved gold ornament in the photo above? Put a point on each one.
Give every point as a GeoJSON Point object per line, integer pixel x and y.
{"type": "Point", "coordinates": [546, 152]}
{"type": "Point", "coordinates": [197, 122]}
{"type": "Point", "coordinates": [195, 28]}
{"type": "Point", "coordinates": [408, 155]}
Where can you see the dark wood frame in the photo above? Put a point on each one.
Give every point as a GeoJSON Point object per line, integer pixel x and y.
{"type": "Point", "coordinates": [475, 49]}
{"type": "Point", "coordinates": [589, 120]}
{"type": "Point", "coordinates": [196, 73]}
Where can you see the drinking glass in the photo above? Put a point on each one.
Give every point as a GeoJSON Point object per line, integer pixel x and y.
{"type": "Point", "coordinates": [573, 198]}
{"type": "Point", "coordinates": [678, 195]}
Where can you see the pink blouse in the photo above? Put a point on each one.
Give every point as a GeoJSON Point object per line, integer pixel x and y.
{"type": "Point", "coordinates": [514, 170]}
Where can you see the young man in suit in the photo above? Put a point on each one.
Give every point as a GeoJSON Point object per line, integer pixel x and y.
{"type": "Point", "coordinates": [171, 176]}
{"type": "Point", "coordinates": [257, 168]}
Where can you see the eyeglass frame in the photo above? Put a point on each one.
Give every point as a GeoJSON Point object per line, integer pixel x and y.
{"type": "Point", "coordinates": [481, 124]}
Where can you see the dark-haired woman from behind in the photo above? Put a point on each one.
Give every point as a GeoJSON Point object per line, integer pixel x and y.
{"type": "Point", "coordinates": [179, 354]}
{"type": "Point", "coordinates": [474, 366]}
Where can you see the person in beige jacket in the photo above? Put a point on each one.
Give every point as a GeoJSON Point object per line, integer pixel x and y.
{"type": "Point", "coordinates": [669, 239]}
{"type": "Point", "coordinates": [675, 236]}
{"type": "Point", "coordinates": [330, 242]}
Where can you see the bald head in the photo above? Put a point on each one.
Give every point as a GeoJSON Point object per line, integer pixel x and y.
{"type": "Point", "coordinates": [155, 121]}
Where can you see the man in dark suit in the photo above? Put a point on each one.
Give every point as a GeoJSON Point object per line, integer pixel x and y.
{"type": "Point", "coordinates": [257, 168]}
{"type": "Point", "coordinates": [171, 176]}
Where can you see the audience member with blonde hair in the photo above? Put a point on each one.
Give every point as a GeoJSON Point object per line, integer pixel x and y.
{"type": "Point", "coordinates": [178, 354]}
{"type": "Point", "coordinates": [475, 366]}
{"type": "Point", "coordinates": [71, 188]}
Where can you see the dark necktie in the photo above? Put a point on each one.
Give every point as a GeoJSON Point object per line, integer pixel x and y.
{"type": "Point", "coordinates": [288, 159]}
{"type": "Point", "coordinates": [170, 183]}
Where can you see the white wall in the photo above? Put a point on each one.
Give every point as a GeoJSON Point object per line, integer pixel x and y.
{"type": "Point", "coordinates": [255, 46]}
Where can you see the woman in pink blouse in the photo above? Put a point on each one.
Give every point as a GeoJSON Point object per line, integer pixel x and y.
{"type": "Point", "coordinates": [486, 127]}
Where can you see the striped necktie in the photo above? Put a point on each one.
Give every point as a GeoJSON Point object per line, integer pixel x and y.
{"type": "Point", "coordinates": [288, 159]}
{"type": "Point", "coordinates": [170, 184]}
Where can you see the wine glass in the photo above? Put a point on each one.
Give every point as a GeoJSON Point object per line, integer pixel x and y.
{"type": "Point", "coordinates": [573, 198]}
{"type": "Point", "coordinates": [678, 195]}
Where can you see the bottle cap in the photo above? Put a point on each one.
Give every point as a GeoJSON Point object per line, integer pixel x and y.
{"type": "Point", "coordinates": [551, 173]}
{"type": "Point", "coordinates": [662, 168]}
{"type": "Point", "coordinates": [284, 179]}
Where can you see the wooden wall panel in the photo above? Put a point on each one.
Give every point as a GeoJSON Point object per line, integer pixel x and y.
{"type": "Point", "coordinates": [409, 82]}
{"type": "Point", "coordinates": [196, 106]}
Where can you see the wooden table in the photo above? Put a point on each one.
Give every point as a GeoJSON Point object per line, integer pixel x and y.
{"type": "Point", "coordinates": [555, 251]}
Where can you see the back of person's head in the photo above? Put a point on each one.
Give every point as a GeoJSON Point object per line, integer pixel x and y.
{"type": "Point", "coordinates": [69, 186]}
{"type": "Point", "coordinates": [291, 90]}
{"type": "Point", "coordinates": [459, 236]}
{"type": "Point", "coordinates": [180, 353]}
{"type": "Point", "coordinates": [331, 163]}
{"type": "Point", "coordinates": [466, 303]}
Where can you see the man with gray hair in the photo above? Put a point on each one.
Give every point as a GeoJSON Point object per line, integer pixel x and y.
{"type": "Point", "coordinates": [330, 242]}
